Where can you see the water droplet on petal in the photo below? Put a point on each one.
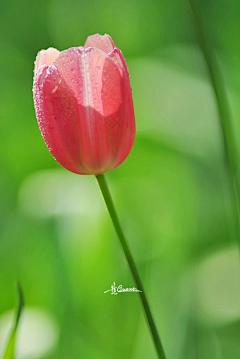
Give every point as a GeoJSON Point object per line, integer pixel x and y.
{"type": "Point", "coordinates": [54, 90]}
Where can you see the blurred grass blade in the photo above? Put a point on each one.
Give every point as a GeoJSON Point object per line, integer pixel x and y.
{"type": "Point", "coordinates": [10, 349]}
{"type": "Point", "coordinates": [225, 116]}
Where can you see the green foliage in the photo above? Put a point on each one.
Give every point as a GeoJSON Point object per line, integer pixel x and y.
{"type": "Point", "coordinates": [171, 194]}
{"type": "Point", "coordinates": [10, 349]}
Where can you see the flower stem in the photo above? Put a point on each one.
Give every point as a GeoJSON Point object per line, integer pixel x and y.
{"type": "Point", "coordinates": [113, 214]}
{"type": "Point", "coordinates": [229, 143]}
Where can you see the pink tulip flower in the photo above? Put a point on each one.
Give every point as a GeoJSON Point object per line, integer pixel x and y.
{"type": "Point", "coordinates": [84, 107]}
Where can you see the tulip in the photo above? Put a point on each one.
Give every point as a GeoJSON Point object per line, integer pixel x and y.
{"type": "Point", "coordinates": [84, 107]}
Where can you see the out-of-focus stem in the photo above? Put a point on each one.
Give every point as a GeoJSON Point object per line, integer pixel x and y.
{"type": "Point", "coordinates": [113, 214]}
{"type": "Point", "coordinates": [10, 348]}
{"type": "Point", "coordinates": [216, 78]}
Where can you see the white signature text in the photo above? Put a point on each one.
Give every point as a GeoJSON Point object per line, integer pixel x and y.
{"type": "Point", "coordinates": [119, 289]}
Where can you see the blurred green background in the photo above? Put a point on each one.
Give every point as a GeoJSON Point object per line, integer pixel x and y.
{"type": "Point", "coordinates": [171, 193]}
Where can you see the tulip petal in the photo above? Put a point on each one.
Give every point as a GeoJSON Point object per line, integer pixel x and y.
{"type": "Point", "coordinates": [84, 107]}
{"type": "Point", "coordinates": [82, 70]}
{"type": "Point", "coordinates": [46, 57]}
{"type": "Point", "coordinates": [57, 114]}
{"type": "Point", "coordinates": [121, 126]}
{"type": "Point", "coordinates": [102, 42]}
{"type": "Point", "coordinates": [68, 65]}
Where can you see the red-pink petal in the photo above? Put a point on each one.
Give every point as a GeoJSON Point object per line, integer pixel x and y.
{"type": "Point", "coordinates": [82, 70]}
{"type": "Point", "coordinates": [46, 57]}
{"type": "Point", "coordinates": [57, 114]}
{"type": "Point", "coordinates": [102, 42]}
{"type": "Point", "coordinates": [84, 105]}
{"type": "Point", "coordinates": [121, 126]}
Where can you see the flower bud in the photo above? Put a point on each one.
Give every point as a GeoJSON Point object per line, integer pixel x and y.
{"type": "Point", "coordinates": [84, 107]}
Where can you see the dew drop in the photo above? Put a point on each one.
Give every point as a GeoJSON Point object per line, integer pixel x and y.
{"type": "Point", "coordinates": [54, 90]}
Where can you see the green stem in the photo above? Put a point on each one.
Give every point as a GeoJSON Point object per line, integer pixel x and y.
{"type": "Point", "coordinates": [113, 214]}
{"type": "Point", "coordinates": [10, 349]}
{"type": "Point", "coordinates": [216, 78]}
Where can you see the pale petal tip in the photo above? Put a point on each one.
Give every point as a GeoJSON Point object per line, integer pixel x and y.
{"type": "Point", "coordinates": [46, 57]}
{"type": "Point", "coordinates": [102, 42]}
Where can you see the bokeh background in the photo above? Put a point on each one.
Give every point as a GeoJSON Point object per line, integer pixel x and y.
{"type": "Point", "coordinates": [171, 193]}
